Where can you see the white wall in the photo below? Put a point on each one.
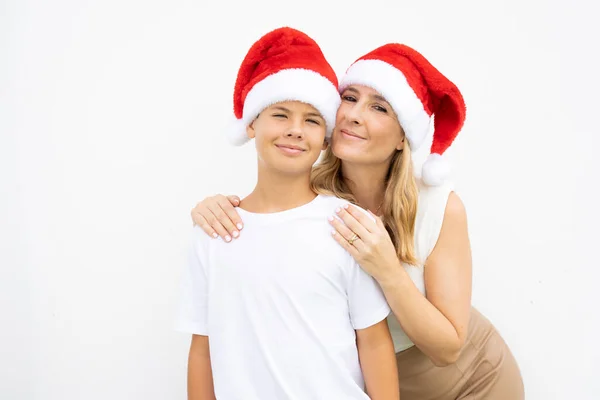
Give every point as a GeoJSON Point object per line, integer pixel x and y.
{"type": "Point", "coordinates": [110, 118]}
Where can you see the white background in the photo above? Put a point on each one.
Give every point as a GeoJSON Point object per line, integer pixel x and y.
{"type": "Point", "coordinates": [111, 116]}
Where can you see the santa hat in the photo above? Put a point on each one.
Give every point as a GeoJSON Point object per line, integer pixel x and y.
{"type": "Point", "coordinates": [283, 65]}
{"type": "Point", "coordinates": [417, 91]}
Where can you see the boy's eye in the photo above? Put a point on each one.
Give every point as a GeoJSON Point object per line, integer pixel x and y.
{"type": "Point", "coordinates": [349, 98]}
{"type": "Point", "coordinates": [380, 108]}
{"type": "Point", "coordinates": [280, 115]}
{"type": "Point", "coordinates": [314, 121]}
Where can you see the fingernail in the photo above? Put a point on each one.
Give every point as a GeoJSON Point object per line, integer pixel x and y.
{"type": "Point", "coordinates": [346, 206]}
{"type": "Point", "coordinates": [228, 238]}
{"type": "Point", "coordinates": [215, 235]}
{"type": "Point", "coordinates": [235, 234]}
{"type": "Point", "coordinates": [338, 210]}
{"type": "Point", "coordinates": [330, 219]}
{"type": "Point", "coordinates": [240, 226]}
{"type": "Point", "coordinates": [333, 233]}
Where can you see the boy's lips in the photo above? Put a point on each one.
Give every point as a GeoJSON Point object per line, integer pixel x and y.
{"type": "Point", "coordinates": [290, 149]}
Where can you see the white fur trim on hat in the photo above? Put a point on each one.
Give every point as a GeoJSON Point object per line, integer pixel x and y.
{"type": "Point", "coordinates": [435, 170]}
{"type": "Point", "coordinates": [392, 84]}
{"type": "Point", "coordinates": [288, 85]}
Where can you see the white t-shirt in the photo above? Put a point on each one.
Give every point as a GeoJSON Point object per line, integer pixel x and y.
{"type": "Point", "coordinates": [280, 306]}
{"type": "Point", "coordinates": [428, 225]}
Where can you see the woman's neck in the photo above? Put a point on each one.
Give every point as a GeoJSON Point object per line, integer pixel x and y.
{"type": "Point", "coordinates": [276, 192]}
{"type": "Point", "coordinates": [367, 184]}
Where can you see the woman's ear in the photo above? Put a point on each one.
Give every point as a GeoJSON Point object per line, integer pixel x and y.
{"type": "Point", "coordinates": [325, 144]}
{"type": "Point", "coordinates": [400, 145]}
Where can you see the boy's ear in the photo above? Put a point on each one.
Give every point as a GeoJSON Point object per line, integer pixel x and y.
{"type": "Point", "coordinates": [325, 144]}
{"type": "Point", "coordinates": [250, 130]}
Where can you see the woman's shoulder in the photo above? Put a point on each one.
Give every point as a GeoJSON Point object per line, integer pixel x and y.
{"type": "Point", "coordinates": [434, 202]}
{"type": "Point", "coordinates": [428, 193]}
{"type": "Point", "coordinates": [434, 197]}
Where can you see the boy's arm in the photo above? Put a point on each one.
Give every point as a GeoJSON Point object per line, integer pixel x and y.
{"type": "Point", "coordinates": [378, 361]}
{"type": "Point", "coordinates": [368, 312]}
{"type": "Point", "coordinates": [200, 380]}
{"type": "Point", "coordinates": [193, 318]}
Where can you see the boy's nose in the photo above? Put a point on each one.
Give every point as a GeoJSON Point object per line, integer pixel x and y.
{"type": "Point", "coordinates": [295, 132]}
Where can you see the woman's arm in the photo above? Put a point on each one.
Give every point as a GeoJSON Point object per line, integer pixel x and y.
{"type": "Point", "coordinates": [378, 361]}
{"type": "Point", "coordinates": [437, 324]}
{"type": "Point", "coordinates": [216, 216]}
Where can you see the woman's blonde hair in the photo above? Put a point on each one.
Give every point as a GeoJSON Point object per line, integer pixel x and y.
{"type": "Point", "coordinates": [399, 208]}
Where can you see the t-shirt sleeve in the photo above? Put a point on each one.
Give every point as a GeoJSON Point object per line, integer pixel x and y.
{"type": "Point", "coordinates": [367, 303]}
{"type": "Point", "coordinates": [193, 297]}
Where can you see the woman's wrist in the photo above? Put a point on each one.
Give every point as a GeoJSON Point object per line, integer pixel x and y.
{"type": "Point", "coordinates": [392, 277]}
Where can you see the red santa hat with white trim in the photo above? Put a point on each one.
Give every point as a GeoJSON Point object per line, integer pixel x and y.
{"type": "Point", "coordinates": [417, 91]}
{"type": "Point", "coordinates": [283, 65]}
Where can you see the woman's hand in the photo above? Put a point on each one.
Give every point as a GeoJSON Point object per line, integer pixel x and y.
{"type": "Point", "coordinates": [216, 215]}
{"type": "Point", "coordinates": [372, 246]}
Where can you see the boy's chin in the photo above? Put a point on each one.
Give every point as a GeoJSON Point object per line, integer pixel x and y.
{"type": "Point", "coordinates": [293, 166]}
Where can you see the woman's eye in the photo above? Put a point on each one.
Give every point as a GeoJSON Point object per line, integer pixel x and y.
{"type": "Point", "coordinates": [349, 98]}
{"type": "Point", "coordinates": [279, 115]}
{"type": "Point", "coordinates": [380, 109]}
{"type": "Point", "coordinates": [313, 121]}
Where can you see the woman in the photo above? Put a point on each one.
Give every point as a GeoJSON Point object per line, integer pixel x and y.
{"type": "Point", "coordinates": [417, 246]}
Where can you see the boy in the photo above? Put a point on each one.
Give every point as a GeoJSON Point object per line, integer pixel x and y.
{"type": "Point", "coordinates": [285, 313]}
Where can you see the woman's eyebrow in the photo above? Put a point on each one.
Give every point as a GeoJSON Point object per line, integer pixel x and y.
{"type": "Point", "coordinates": [380, 98]}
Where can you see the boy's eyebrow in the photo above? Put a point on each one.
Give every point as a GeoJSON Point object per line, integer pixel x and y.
{"type": "Point", "coordinates": [314, 114]}
{"type": "Point", "coordinates": [309, 114]}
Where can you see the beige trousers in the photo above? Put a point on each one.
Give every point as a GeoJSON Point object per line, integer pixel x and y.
{"type": "Point", "coordinates": [486, 369]}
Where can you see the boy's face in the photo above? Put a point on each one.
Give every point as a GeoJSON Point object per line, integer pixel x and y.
{"type": "Point", "coordinates": [289, 137]}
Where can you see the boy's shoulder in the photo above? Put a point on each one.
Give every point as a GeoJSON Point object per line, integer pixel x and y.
{"type": "Point", "coordinates": [329, 203]}
{"type": "Point", "coordinates": [199, 239]}
{"type": "Point", "coordinates": [332, 202]}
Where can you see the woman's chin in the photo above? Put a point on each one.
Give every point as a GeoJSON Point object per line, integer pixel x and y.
{"type": "Point", "coordinates": [346, 152]}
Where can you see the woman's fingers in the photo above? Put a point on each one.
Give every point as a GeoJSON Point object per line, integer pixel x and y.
{"type": "Point", "coordinates": [345, 244]}
{"type": "Point", "coordinates": [351, 222]}
{"type": "Point", "coordinates": [234, 200]}
{"type": "Point", "coordinates": [218, 217]}
{"type": "Point", "coordinates": [363, 218]}
{"type": "Point", "coordinates": [346, 234]}
{"type": "Point", "coordinates": [215, 223]}
{"type": "Point", "coordinates": [203, 223]}
{"type": "Point", "coordinates": [229, 209]}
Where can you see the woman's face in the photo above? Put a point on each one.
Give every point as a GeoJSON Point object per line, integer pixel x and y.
{"type": "Point", "coordinates": [367, 130]}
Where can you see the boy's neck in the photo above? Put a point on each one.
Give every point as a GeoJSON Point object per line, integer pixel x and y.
{"type": "Point", "coordinates": [275, 192]}
{"type": "Point", "coordinates": [367, 184]}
